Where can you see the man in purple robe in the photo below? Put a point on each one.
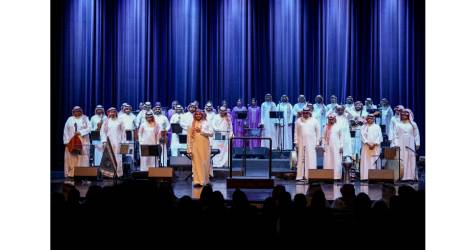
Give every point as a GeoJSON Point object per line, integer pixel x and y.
{"type": "Point", "coordinates": [254, 119]}
{"type": "Point", "coordinates": [238, 124]}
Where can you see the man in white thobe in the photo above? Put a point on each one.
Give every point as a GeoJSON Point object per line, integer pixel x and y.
{"type": "Point", "coordinates": [393, 125]}
{"type": "Point", "coordinates": [386, 115]}
{"type": "Point", "coordinates": [284, 127]}
{"type": "Point", "coordinates": [179, 118]}
{"type": "Point", "coordinates": [164, 126]}
{"type": "Point", "coordinates": [349, 103]}
{"type": "Point", "coordinates": [307, 138]}
{"type": "Point", "coordinates": [113, 129]}
{"type": "Point", "coordinates": [320, 111]}
{"type": "Point", "coordinates": [77, 124]}
{"type": "Point", "coordinates": [357, 121]}
{"type": "Point", "coordinates": [299, 106]}
{"type": "Point", "coordinates": [140, 118]}
{"type": "Point", "coordinates": [369, 104]}
{"type": "Point", "coordinates": [371, 135]}
{"type": "Point", "coordinates": [343, 120]}
{"type": "Point", "coordinates": [333, 143]}
{"type": "Point", "coordinates": [210, 116]}
{"type": "Point", "coordinates": [269, 130]}
{"type": "Point", "coordinates": [330, 108]}
{"type": "Point", "coordinates": [96, 122]}
{"type": "Point", "coordinates": [407, 137]}
{"type": "Point", "coordinates": [128, 119]}
{"type": "Point", "coordinates": [121, 112]}
{"type": "Point", "coordinates": [222, 126]}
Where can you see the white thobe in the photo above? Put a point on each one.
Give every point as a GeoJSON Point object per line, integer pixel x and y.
{"type": "Point", "coordinates": [183, 120]}
{"type": "Point", "coordinates": [371, 135]}
{"type": "Point", "coordinates": [149, 134]}
{"type": "Point", "coordinates": [269, 129]}
{"type": "Point", "coordinates": [98, 147]}
{"type": "Point", "coordinates": [319, 113]}
{"type": "Point", "coordinates": [406, 137]}
{"type": "Point", "coordinates": [349, 107]}
{"type": "Point", "coordinates": [284, 132]}
{"type": "Point", "coordinates": [224, 126]}
{"type": "Point", "coordinates": [330, 108]}
{"type": "Point", "coordinates": [114, 129]}
{"type": "Point", "coordinates": [373, 106]}
{"type": "Point", "coordinates": [307, 137]}
{"type": "Point", "coordinates": [298, 107]}
{"type": "Point", "coordinates": [74, 160]}
{"type": "Point", "coordinates": [392, 129]}
{"type": "Point", "coordinates": [385, 117]}
{"type": "Point", "coordinates": [333, 141]}
{"type": "Point", "coordinates": [210, 118]}
{"type": "Point", "coordinates": [343, 122]}
{"type": "Point", "coordinates": [357, 140]}
{"type": "Point", "coordinates": [164, 125]}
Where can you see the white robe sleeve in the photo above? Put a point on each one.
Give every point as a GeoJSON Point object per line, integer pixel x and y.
{"type": "Point", "coordinates": [84, 130]}
{"type": "Point", "coordinates": [66, 132]}
{"type": "Point", "coordinates": [140, 133]}
{"type": "Point", "coordinates": [396, 135]}
{"type": "Point", "coordinates": [289, 114]}
{"type": "Point", "coordinates": [262, 114]}
{"type": "Point", "coordinates": [380, 136]}
{"type": "Point", "coordinates": [416, 134]}
{"type": "Point", "coordinates": [102, 133]}
{"type": "Point", "coordinates": [297, 133]}
{"type": "Point", "coordinates": [317, 127]}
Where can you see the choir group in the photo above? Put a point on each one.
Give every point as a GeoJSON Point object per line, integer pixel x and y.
{"type": "Point", "coordinates": [349, 131]}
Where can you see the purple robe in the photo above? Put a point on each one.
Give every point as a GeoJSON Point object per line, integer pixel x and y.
{"type": "Point", "coordinates": [254, 118]}
{"type": "Point", "coordinates": [238, 125]}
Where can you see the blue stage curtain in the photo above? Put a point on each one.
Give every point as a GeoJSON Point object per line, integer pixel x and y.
{"type": "Point", "coordinates": [109, 52]}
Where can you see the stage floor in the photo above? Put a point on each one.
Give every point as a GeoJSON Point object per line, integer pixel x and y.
{"type": "Point", "coordinates": [184, 187]}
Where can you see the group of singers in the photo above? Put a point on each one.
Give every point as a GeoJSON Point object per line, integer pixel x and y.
{"type": "Point", "coordinates": [342, 131]}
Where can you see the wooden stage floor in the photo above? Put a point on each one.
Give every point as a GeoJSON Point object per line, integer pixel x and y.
{"type": "Point", "coordinates": [184, 187]}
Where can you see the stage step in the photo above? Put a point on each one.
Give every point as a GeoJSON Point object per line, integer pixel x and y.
{"type": "Point", "coordinates": [250, 182]}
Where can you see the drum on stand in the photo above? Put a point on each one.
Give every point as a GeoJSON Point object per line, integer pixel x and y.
{"type": "Point", "coordinates": [293, 160]}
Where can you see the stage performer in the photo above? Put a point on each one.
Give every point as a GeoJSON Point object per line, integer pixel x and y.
{"type": "Point", "coordinates": [198, 147]}
{"type": "Point", "coordinates": [223, 125]}
{"type": "Point", "coordinates": [267, 123]}
{"type": "Point", "coordinates": [179, 118]}
{"type": "Point", "coordinates": [371, 135]}
{"type": "Point", "coordinates": [407, 137]}
{"type": "Point", "coordinates": [121, 112]}
{"type": "Point", "coordinates": [319, 112]}
{"type": "Point", "coordinates": [349, 103]}
{"type": "Point", "coordinates": [393, 125]}
{"type": "Point", "coordinates": [171, 110]}
{"type": "Point", "coordinates": [164, 126]}
{"type": "Point", "coordinates": [284, 129]}
{"type": "Point", "coordinates": [209, 112]}
{"type": "Point", "coordinates": [386, 114]}
{"type": "Point", "coordinates": [238, 124]}
{"type": "Point", "coordinates": [149, 134]}
{"type": "Point", "coordinates": [330, 108]}
{"type": "Point", "coordinates": [343, 120]}
{"type": "Point", "coordinates": [114, 129]}
{"type": "Point", "coordinates": [357, 121]}
{"type": "Point", "coordinates": [140, 118]}
{"type": "Point", "coordinates": [333, 143]}
{"type": "Point", "coordinates": [96, 122]}
{"type": "Point", "coordinates": [307, 137]}
{"type": "Point", "coordinates": [299, 106]}
{"type": "Point", "coordinates": [76, 126]}
{"type": "Point", "coordinates": [369, 104]}
{"type": "Point", "coordinates": [254, 118]}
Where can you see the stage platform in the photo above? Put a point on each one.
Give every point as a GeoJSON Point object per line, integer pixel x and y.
{"type": "Point", "coordinates": [182, 186]}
